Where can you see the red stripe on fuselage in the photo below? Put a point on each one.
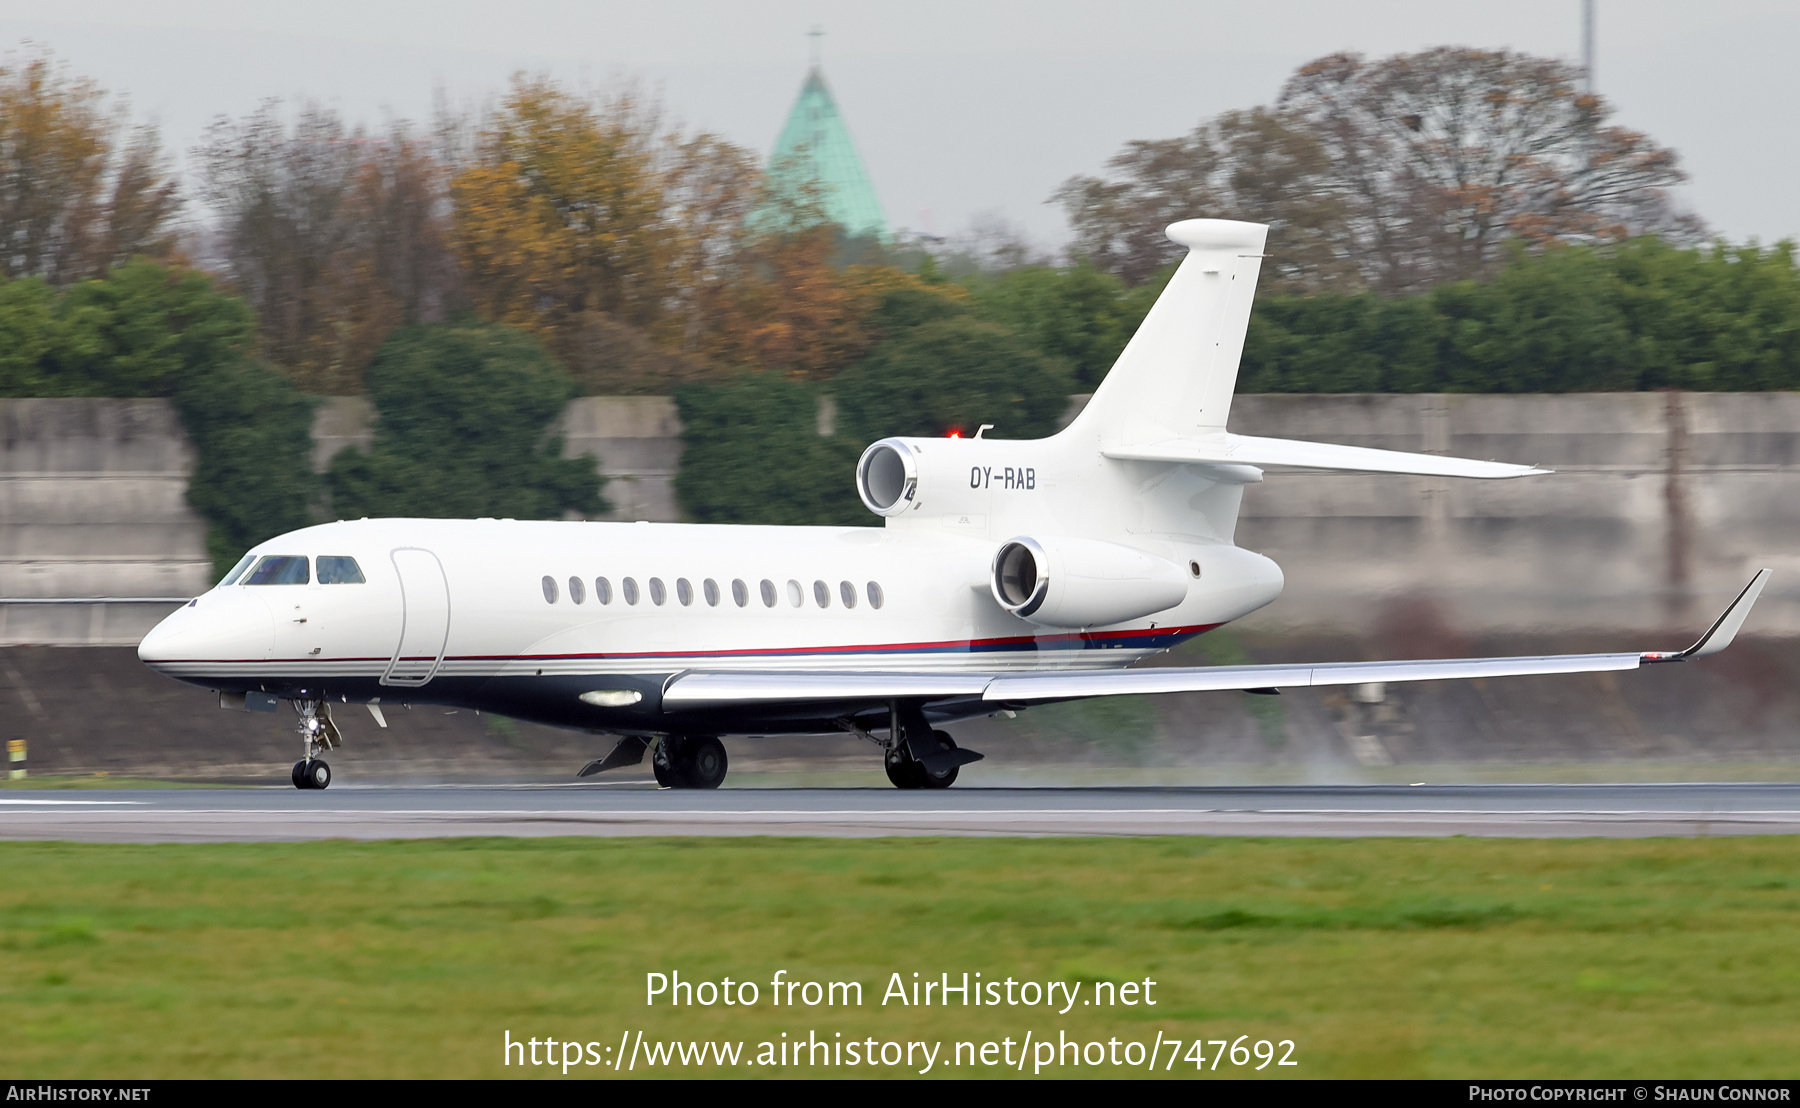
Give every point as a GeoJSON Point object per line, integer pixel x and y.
{"type": "Point", "coordinates": [1019, 641]}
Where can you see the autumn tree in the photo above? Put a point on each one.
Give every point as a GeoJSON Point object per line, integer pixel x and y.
{"type": "Point", "coordinates": [1394, 174]}
{"type": "Point", "coordinates": [334, 236]}
{"type": "Point", "coordinates": [1245, 165]}
{"type": "Point", "coordinates": [561, 213]}
{"type": "Point", "coordinates": [1442, 156]}
{"type": "Point", "coordinates": [81, 190]}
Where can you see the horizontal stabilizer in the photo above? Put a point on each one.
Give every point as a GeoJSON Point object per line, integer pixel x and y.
{"type": "Point", "coordinates": [1229, 449]}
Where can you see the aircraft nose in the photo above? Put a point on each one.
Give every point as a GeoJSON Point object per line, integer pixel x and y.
{"type": "Point", "coordinates": [222, 625]}
{"type": "Point", "coordinates": [163, 642]}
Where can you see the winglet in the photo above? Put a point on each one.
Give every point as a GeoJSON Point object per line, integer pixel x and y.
{"type": "Point", "coordinates": [1720, 634]}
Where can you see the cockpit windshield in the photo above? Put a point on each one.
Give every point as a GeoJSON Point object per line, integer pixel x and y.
{"type": "Point", "coordinates": [338, 570]}
{"type": "Point", "coordinates": [279, 569]}
{"type": "Point", "coordinates": [237, 571]}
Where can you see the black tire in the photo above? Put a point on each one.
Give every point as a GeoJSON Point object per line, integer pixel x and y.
{"type": "Point", "coordinates": [663, 763]}
{"type": "Point", "coordinates": [703, 763]}
{"type": "Point", "coordinates": [299, 775]}
{"type": "Point", "coordinates": [931, 780]}
{"type": "Point", "coordinates": [318, 774]}
{"type": "Point", "coordinates": [902, 770]}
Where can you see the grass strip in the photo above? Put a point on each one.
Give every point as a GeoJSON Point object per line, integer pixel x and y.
{"type": "Point", "coordinates": [1393, 958]}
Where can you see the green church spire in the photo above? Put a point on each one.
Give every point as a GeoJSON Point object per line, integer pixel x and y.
{"type": "Point", "coordinates": [815, 148]}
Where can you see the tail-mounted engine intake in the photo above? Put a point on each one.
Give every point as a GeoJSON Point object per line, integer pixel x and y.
{"type": "Point", "coordinates": [1083, 582]}
{"type": "Point", "coordinates": [887, 477]}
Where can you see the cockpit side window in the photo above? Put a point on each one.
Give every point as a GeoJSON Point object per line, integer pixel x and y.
{"type": "Point", "coordinates": [338, 570]}
{"type": "Point", "coordinates": [237, 571]}
{"type": "Point", "coordinates": [279, 569]}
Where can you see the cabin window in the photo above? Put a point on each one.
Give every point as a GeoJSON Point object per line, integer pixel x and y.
{"type": "Point", "coordinates": [740, 592]}
{"type": "Point", "coordinates": [577, 591]}
{"type": "Point", "coordinates": [279, 569]}
{"type": "Point", "coordinates": [658, 594]}
{"type": "Point", "coordinates": [338, 570]}
{"type": "Point", "coordinates": [822, 594]}
{"type": "Point", "coordinates": [711, 589]}
{"type": "Point", "coordinates": [796, 597]}
{"type": "Point", "coordinates": [629, 588]}
{"type": "Point", "coordinates": [875, 596]}
{"type": "Point", "coordinates": [603, 590]}
{"type": "Point", "coordinates": [237, 571]}
{"type": "Point", "coordinates": [549, 590]}
{"type": "Point", "coordinates": [847, 592]}
{"type": "Point", "coordinates": [768, 593]}
{"type": "Point", "coordinates": [684, 592]}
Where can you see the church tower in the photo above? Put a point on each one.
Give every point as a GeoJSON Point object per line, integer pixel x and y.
{"type": "Point", "coordinates": [815, 148]}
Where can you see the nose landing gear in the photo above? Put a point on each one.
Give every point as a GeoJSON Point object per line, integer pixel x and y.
{"type": "Point", "coordinates": [318, 733]}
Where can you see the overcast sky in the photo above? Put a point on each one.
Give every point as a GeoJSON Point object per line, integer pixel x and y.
{"type": "Point", "coordinates": [959, 107]}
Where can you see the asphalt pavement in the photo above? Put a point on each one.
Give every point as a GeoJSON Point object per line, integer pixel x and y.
{"type": "Point", "coordinates": [274, 814]}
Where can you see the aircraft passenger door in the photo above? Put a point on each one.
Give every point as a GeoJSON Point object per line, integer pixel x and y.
{"type": "Point", "coordinates": [424, 618]}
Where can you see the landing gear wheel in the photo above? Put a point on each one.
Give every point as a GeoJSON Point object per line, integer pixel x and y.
{"type": "Point", "coordinates": [318, 775]}
{"type": "Point", "coordinates": [902, 770]}
{"type": "Point", "coordinates": [663, 764]}
{"type": "Point", "coordinates": [299, 775]}
{"type": "Point", "coordinates": [948, 778]}
{"type": "Point", "coordinates": [689, 762]}
{"type": "Point", "coordinates": [703, 763]}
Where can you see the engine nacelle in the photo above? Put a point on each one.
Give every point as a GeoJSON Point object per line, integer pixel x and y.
{"type": "Point", "coordinates": [887, 477]}
{"type": "Point", "coordinates": [1060, 582]}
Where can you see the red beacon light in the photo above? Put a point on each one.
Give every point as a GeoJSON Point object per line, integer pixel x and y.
{"type": "Point", "coordinates": [955, 433]}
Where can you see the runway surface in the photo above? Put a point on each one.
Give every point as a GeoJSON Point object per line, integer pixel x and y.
{"type": "Point", "coordinates": [369, 812]}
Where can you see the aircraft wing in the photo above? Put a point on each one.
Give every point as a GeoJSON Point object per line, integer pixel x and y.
{"type": "Point", "coordinates": [1001, 689]}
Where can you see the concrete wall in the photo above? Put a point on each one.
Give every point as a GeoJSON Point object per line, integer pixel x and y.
{"type": "Point", "coordinates": [93, 504]}
{"type": "Point", "coordinates": [1661, 507]}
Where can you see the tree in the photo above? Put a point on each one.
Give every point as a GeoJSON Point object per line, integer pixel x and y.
{"type": "Point", "coordinates": [951, 375]}
{"type": "Point", "coordinates": [335, 237]}
{"type": "Point", "coordinates": [561, 212]}
{"type": "Point", "coordinates": [1442, 156]}
{"type": "Point", "coordinates": [148, 330]}
{"type": "Point", "coordinates": [1241, 165]}
{"type": "Point", "coordinates": [1079, 315]}
{"type": "Point", "coordinates": [80, 190]}
{"type": "Point", "coordinates": [1396, 174]}
{"type": "Point", "coordinates": [464, 412]}
{"type": "Point", "coordinates": [752, 454]}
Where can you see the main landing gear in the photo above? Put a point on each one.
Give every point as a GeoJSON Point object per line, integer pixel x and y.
{"type": "Point", "coordinates": [319, 734]}
{"type": "Point", "coordinates": [689, 762]}
{"type": "Point", "coordinates": [907, 772]}
{"type": "Point", "coordinates": [914, 755]}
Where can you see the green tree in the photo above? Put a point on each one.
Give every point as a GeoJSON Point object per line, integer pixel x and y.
{"type": "Point", "coordinates": [952, 375]}
{"type": "Point", "coordinates": [464, 412]}
{"type": "Point", "coordinates": [145, 330]}
{"type": "Point", "coordinates": [754, 455]}
{"type": "Point", "coordinates": [1080, 315]}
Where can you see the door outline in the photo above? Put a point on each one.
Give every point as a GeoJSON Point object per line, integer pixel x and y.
{"type": "Point", "coordinates": [387, 677]}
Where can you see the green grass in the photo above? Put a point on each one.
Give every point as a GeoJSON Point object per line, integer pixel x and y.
{"type": "Point", "coordinates": [1439, 958]}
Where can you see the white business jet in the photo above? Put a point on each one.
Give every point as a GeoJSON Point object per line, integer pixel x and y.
{"type": "Point", "coordinates": [1009, 574]}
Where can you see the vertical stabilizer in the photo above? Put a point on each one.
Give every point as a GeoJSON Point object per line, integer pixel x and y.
{"type": "Point", "coordinates": [1176, 376]}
